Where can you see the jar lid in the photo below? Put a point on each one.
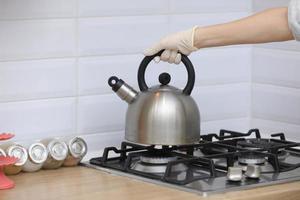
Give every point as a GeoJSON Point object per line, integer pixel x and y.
{"type": "Point", "coordinates": [38, 153]}
{"type": "Point", "coordinates": [57, 149]}
{"type": "Point", "coordinates": [77, 147]}
{"type": "Point", "coordinates": [2, 152]}
{"type": "Point", "coordinates": [19, 152]}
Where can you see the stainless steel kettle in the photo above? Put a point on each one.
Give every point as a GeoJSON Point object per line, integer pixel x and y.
{"type": "Point", "coordinates": [162, 114]}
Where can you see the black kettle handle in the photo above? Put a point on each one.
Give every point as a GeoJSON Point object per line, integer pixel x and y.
{"type": "Point", "coordinates": [186, 61]}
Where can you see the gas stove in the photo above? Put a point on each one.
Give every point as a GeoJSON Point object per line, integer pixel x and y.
{"type": "Point", "coordinates": [220, 162]}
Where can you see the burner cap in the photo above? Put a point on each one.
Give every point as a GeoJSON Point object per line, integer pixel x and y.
{"type": "Point", "coordinates": [251, 159]}
{"type": "Point", "coordinates": [156, 164]}
{"type": "Point", "coordinates": [157, 159]}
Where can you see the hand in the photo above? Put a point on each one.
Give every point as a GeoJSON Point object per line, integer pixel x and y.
{"type": "Point", "coordinates": [182, 42]}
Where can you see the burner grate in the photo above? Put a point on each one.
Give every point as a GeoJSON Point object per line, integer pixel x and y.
{"type": "Point", "coordinates": [228, 146]}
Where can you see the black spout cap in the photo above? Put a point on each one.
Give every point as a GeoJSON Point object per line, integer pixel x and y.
{"type": "Point", "coordinates": [115, 83]}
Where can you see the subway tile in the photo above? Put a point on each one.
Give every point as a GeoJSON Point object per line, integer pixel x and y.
{"type": "Point", "coordinates": [31, 120]}
{"type": "Point", "coordinates": [288, 45]}
{"type": "Point", "coordinates": [276, 103]}
{"type": "Point", "coordinates": [268, 127]}
{"type": "Point", "coordinates": [265, 4]}
{"type": "Point", "coordinates": [120, 7]}
{"type": "Point", "coordinates": [37, 79]}
{"type": "Point", "coordinates": [35, 9]}
{"type": "Point", "coordinates": [276, 67]}
{"type": "Point", "coordinates": [99, 141]}
{"type": "Point", "coordinates": [119, 35]}
{"type": "Point", "coordinates": [182, 22]}
{"type": "Point", "coordinates": [222, 102]}
{"type": "Point", "coordinates": [37, 39]}
{"type": "Point", "coordinates": [196, 6]}
{"type": "Point", "coordinates": [239, 124]}
{"type": "Point", "coordinates": [95, 71]}
{"type": "Point", "coordinates": [216, 66]}
{"type": "Point", "coordinates": [100, 113]}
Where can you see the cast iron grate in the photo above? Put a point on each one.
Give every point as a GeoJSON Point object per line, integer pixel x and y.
{"type": "Point", "coordinates": [226, 146]}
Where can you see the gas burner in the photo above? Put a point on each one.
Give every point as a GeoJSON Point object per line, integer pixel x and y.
{"type": "Point", "coordinates": [155, 164]}
{"type": "Point", "coordinates": [256, 143]}
{"type": "Point", "coordinates": [157, 159]}
{"type": "Point", "coordinates": [251, 159]}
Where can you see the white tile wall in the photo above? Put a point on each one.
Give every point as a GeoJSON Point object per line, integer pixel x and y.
{"type": "Point", "coordinates": [238, 124]}
{"type": "Point", "coordinates": [56, 56]}
{"type": "Point", "coordinates": [276, 67]}
{"type": "Point", "coordinates": [100, 113]}
{"type": "Point", "coordinates": [223, 101]}
{"type": "Point", "coordinates": [182, 22]}
{"type": "Point", "coordinates": [34, 79]}
{"type": "Point", "coordinates": [196, 6]}
{"type": "Point", "coordinates": [31, 9]}
{"type": "Point", "coordinates": [28, 39]}
{"type": "Point", "coordinates": [265, 4]}
{"type": "Point", "coordinates": [98, 8]}
{"type": "Point", "coordinates": [119, 35]}
{"type": "Point", "coordinates": [38, 119]}
{"type": "Point", "coordinates": [276, 103]}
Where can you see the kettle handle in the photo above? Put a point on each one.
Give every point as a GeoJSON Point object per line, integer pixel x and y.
{"type": "Point", "coordinates": [186, 61]}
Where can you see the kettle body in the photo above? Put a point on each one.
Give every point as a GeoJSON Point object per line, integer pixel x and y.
{"type": "Point", "coordinates": [162, 114]}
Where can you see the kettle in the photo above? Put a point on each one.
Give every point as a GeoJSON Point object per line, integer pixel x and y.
{"type": "Point", "coordinates": [162, 114]}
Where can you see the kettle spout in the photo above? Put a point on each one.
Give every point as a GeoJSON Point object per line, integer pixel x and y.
{"type": "Point", "coordinates": [123, 90]}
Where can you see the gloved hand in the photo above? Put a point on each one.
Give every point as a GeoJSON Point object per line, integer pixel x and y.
{"type": "Point", "coordinates": [177, 42]}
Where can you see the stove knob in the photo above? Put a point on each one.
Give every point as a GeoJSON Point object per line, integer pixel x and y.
{"type": "Point", "coordinates": [235, 174]}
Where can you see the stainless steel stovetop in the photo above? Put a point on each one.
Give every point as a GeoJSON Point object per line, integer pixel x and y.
{"type": "Point", "coordinates": [203, 168]}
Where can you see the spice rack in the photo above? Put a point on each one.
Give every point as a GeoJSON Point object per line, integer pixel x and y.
{"type": "Point", "coordinates": [6, 183]}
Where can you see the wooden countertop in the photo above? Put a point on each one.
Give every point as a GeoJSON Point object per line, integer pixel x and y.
{"type": "Point", "coordinates": [85, 183]}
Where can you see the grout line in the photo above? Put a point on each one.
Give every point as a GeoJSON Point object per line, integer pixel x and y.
{"type": "Point", "coordinates": [77, 67]}
{"type": "Point", "coordinates": [251, 87]}
{"type": "Point", "coordinates": [291, 51]}
{"type": "Point", "coordinates": [276, 121]}
{"type": "Point", "coordinates": [111, 93]}
{"type": "Point", "coordinates": [108, 54]}
{"type": "Point", "coordinates": [121, 15]}
{"type": "Point", "coordinates": [69, 57]}
{"type": "Point", "coordinates": [296, 89]}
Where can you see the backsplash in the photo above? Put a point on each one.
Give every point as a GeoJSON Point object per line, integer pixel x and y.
{"type": "Point", "coordinates": [56, 57]}
{"type": "Point", "coordinates": [276, 85]}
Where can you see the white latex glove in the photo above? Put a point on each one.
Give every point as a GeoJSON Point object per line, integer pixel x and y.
{"type": "Point", "coordinates": [177, 42]}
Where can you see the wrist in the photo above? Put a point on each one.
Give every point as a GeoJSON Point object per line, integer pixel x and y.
{"type": "Point", "coordinates": [200, 38]}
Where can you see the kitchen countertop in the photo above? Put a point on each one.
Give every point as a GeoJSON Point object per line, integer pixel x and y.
{"type": "Point", "coordinates": [85, 183]}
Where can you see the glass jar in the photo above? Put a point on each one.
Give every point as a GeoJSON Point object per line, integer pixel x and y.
{"type": "Point", "coordinates": [77, 149]}
{"type": "Point", "coordinates": [37, 155]}
{"type": "Point", "coordinates": [57, 153]}
{"type": "Point", "coordinates": [18, 151]}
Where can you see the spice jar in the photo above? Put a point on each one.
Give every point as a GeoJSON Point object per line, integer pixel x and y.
{"type": "Point", "coordinates": [37, 155]}
{"type": "Point", "coordinates": [77, 149]}
{"type": "Point", "coordinates": [2, 152]}
{"type": "Point", "coordinates": [18, 151]}
{"type": "Point", "coordinates": [57, 153]}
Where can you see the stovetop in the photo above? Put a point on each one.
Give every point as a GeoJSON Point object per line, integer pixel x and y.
{"type": "Point", "coordinates": [203, 167]}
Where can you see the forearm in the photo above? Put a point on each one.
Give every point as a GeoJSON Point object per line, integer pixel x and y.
{"type": "Point", "coordinates": [267, 26]}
